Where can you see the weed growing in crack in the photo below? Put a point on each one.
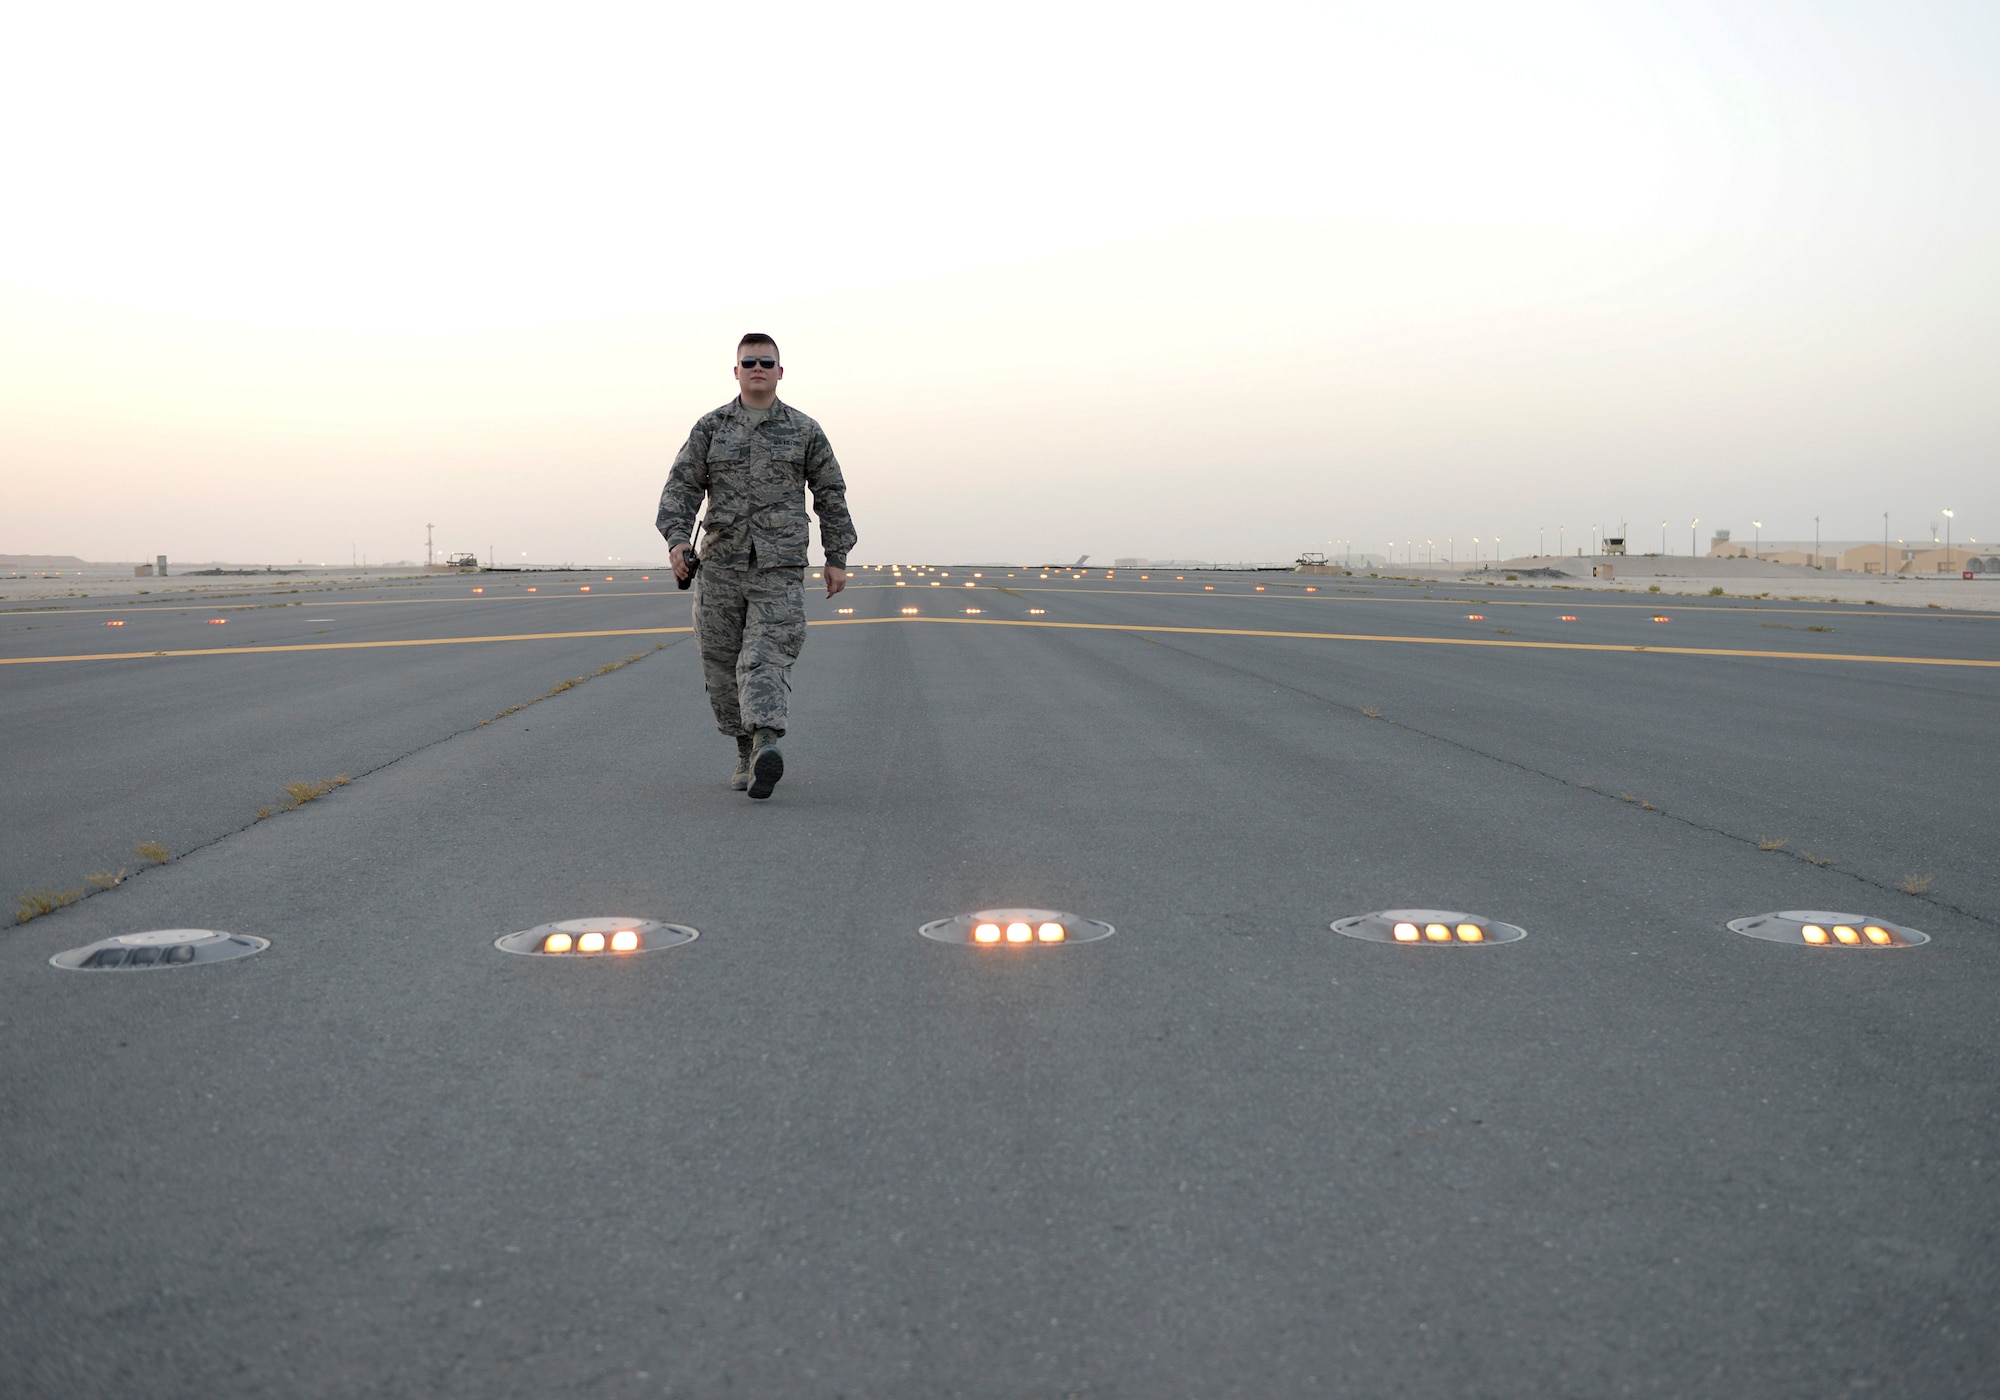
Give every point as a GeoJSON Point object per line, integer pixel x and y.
{"type": "Point", "coordinates": [105, 879]}
{"type": "Point", "coordinates": [1772, 843]}
{"type": "Point", "coordinates": [1371, 712]}
{"type": "Point", "coordinates": [36, 903]}
{"type": "Point", "coordinates": [1816, 860]}
{"type": "Point", "coordinates": [153, 851]}
{"type": "Point", "coordinates": [298, 794]}
{"type": "Point", "coordinates": [1914, 884]}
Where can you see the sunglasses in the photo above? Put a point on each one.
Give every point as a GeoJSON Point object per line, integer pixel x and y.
{"type": "Point", "coordinates": [760, 362]}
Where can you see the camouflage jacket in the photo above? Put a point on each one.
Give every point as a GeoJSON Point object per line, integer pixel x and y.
{"type": "Point", "coordinates": [752, 475]}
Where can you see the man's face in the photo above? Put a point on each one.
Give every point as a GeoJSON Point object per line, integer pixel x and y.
{"type": "Point", "coordinates": [757, 369]}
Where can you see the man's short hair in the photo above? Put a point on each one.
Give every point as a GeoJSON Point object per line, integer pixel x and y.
{"type": "Point", "coordinates": [759, 338]}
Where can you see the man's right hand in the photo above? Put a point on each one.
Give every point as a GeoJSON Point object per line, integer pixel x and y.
{"type": "Point", "coordinates": [679, 557]}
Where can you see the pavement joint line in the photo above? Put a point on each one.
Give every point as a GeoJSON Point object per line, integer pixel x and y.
{"type": "Point", "coordinates": [1704, 827]}
{"type": "Point", "coordinates": [352, 780]}
{"type": "Point", "coordinates": [1857, 657]}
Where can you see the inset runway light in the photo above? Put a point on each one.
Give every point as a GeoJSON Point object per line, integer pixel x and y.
{"type": "Point", "coordinates": [534, 590]}
{"type": "Point", "coordinates": [1208, 588]}
{"type": "Point", "coordinates": [971, 585]}
{"type": "Point", "coordinates": [909, 612]}
{"type": "Point", "coordinates": [478, 590]}
{"type": "Point", "coordinates": [217, 621]}
{"type": "Point", "coordinates": [1569, 617]}
{"type": "Point", "coordinates": [1663, 619]}
{"type": "Point", "coordinates": [604, 938]}
{"type": "Point", "coordinates": [1433, 928]}
{"type": "Point", "coordinates": [973, 611]}
{"type": "Point", "coordinates": [936, 584]}
{"type": "Point", "coordinates": [845, 611]}
{"type": "Point", "coordinates": [1313, 589]}
{"type": "Point", "coordinates": [158, 948]}
{"type": "Point", "coordinates": [1037, 612]}
{"type": "Point", "coordinates": [1016, 928]}
{"type": "Point", "coordinates": [114, 624]}
{"type": "Point", "coordinates": [584, 587]}
{"type": "Point", "coordinates": [1819, 928]}
{"type": "Point", "coordinates": [901, 584]}
{"type": "Point", "coordinates": [1475, 617]}
{"type": "Point", "coordinates": [609, 579]}
{"type": "Point", "coordinates": [1260, 588]}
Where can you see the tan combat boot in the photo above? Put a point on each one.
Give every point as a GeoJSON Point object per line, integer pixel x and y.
{"type": "Point", "coordinates": [740, 779]}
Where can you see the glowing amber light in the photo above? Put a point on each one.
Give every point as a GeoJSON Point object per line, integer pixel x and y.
{"type": "Point", "coordinates": [114, 624]}
{"type": "Point", "coordinates": [217, 621]}
{"type": "Point", "coordinates": [1569, 617]}
{"type": "Point", "coordinates": [1877, 934]}
{"type": "Point", "coordinates": [1051, 933]}
{"type": "Point", "coordinates": [972, 610]}
{"type": "Point", "coordinates": [590, 943]}
{"type": "Point", "coordinates": [1475, 617]}
{"type": "Point", "coordinates": [1018, 932]}
{"type": "Point", "coordinates": [846, 610]}
{"type": "Point", "coordinates": [478, 590]}
{"type": "Point", "coordinates": [1814, 933]}
{"type": "Point", "coordinates": [1845, 934]}
{"type": "Point", "coordinates": [624, 941]}
{"type": "Point", "coordinates": [1037, 612]}
{"type": "Point", "coordinates": [1406, 933]}
{"type": "Point", "coordinates": [1471, 933]}
{"type": "Point", "coordinates": [986, 933]}
{"type": "Point", "coordinates": [1663, 619]}
{"type": "Point", "coordinates": [556, 943]}
{"type": "Point", "coordinates": [1312, 590]}
{"type": "Point", "coordinates": [1260, 588]}
{"type": "Point", "coordinates": [608, 579]}
{"type": "Point", "coordinates": [1437, 933]}
{"type": "Point", "coordinates": [1208, 588]}
{"type": "Point", "coordinates": [585, 588]}
{"type": "Point", "coordinates": [909, 612]}
{"type": "Point", "coordinates": [534, 590]}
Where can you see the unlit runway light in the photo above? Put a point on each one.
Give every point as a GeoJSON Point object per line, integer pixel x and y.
{"type": "Point", "coordinates": [1434, 928]}
{"type": "Point", "coordinates": [1817, 928]}
{"type": "Point", "coordinates": [1016, 928]}
{"type": "Point", "coordinates": [596, 938]}
{"type": "Point", "coordinates": [165, 947]}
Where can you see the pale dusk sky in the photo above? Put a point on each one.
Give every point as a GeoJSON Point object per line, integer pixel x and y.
{"type": "Point", "coordinates": [279, 282]}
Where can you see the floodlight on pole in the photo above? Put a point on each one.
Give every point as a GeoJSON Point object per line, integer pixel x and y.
{"type": "Point", "coordinates": [1691, 535]}
{"type": "Point", "coordinates": [1757, 540]}
{"type": "Point", "coordinates": [1947, 538]}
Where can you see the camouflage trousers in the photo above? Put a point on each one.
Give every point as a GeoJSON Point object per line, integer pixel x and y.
{"type": "Point", "coordinates": [750, 624]}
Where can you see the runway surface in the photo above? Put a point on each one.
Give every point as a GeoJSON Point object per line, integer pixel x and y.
{"type": "Point", "coordinates": [1224, 1152]}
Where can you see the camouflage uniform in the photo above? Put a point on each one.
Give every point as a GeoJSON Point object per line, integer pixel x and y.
{"type": "Point", "coordinates": [749, 599]}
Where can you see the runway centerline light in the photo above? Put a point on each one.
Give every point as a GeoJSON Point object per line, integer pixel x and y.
{"type": "Point", "coordinates": [534, 590]}
{"type": "Point", "coordinates": [585, 587]}
{"type": "Point", "coordinates": [478, 590]}
{"type": "Point", "coordinates": [1569, 617]}
{"type": "Point", "coordinates": [1663, 619]}
{"type": "Point", "coordinates": [217, 621]}
{"type": "Point", "coordinates": [1016, 928]}
{"type": "Point", "coordinates": [1475, 617]}
{"type": "Point", "coordinates": [1428, 928]}
{"type": "Point", "coordinates": [1820, 928]}
{"type": "Point", "coordinates": [114, 624]}
{"type": "Point", "coordinates": [158, 949]}
{"type": "Point", "coordinates": [583, 938]}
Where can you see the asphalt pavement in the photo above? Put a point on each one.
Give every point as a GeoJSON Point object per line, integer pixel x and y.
{"type": "Point", "coordinates": [1223, 1152]}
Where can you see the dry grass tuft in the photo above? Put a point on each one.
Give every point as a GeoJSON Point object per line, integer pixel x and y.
{"type": "Point", "coordinates": [1648, 807]}
{"type": "Point", "coordinates": [298, 794]}
{"type": "Point", "coordinates": [1914, 884]}
{"type": "Point", "coordinates": [263, 812]}
{"type": "Point", "coordinates": [153, 851]}
{"type": "Point", "coordinates": [1772, 843]}
{"type": "Point", "coordinates": [1371, 712]}
{"type": "Point", "coordinates": [105, 879]}
{"type": "Point", "coordinates": [36, 903]}
{"type": "Point", "coordinates": [1816, 860]}
{"type": "Point", "coordinates": [1627, 797]}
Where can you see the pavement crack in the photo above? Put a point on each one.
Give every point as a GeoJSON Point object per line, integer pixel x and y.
{"type": "Point", "coordinates": [1529, 769]}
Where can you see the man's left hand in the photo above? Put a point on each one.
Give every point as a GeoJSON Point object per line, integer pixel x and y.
{"type": "Point", "coordinates": [836, 579]}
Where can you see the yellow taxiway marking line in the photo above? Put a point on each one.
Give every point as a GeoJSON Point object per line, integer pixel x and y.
{"type": "Point", "coordinates": [343, 646]}
{"type": "Point", "coordinates": [1426, 641]}
{"type": "Point", "coordinates": [1022, 622]}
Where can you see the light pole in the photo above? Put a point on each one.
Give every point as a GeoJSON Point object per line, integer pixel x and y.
{"type": "Point", "coordinates": [1475, 549]}
{"type": "Point", "coordinates": [1593, 539]}
{"type": "Point", "coordinates": [1559, 539]}
{"type": "Point", "coordinates": [1947, 542]}
{"type": "Point", "coordinates": [1430, 551]}
{"type": "Point", "coordinates": [1885, 544]}
{"type": "Point", "coordinates": [1757, 540]}
{"type": "Point", "coordinates": [1663, 538]}
{"type": "Point", "coordinates": [1541, 540]}
{"type": "Point", "coordinates": [1691, 535]}
{"type": "Point", "coordinates": [1451, 549]}
{"type": "Point", "coordinates": [1815, 541]}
